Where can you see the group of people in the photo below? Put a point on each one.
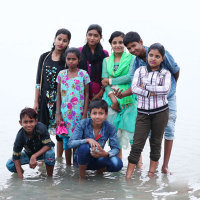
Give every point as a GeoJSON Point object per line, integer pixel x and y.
{"type": "Point", "coordinates": [86, 97]}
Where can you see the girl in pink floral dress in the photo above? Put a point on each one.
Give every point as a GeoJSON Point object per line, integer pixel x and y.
{"type": "Point", "coordinates": [72, 96]}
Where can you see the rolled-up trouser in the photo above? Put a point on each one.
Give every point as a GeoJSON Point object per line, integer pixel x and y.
{"type": "Point", "coordinates": [144, 123]}
{"type": "Point", "coordinates": [112, 164]}
{"type": "Point", "coordinates": [48, 157]}
{"type": "Point", "coordinates": [170, 128]}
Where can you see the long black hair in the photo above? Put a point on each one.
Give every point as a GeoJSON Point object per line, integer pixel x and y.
{"type": "Point", "coordinates": [114, 35]}
{"type": "Point", "coordinates": [158, 47]}
{"type": "Point", "coordinates": [95, 59]}
{"type": "Point", "coordinates": [62, 31]}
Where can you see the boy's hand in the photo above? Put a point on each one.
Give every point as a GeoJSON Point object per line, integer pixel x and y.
{"type": "Point", "coordinates": [99, 152]}
{"type": "Point", "coordinates": [20, 176]}
{"type": "Point", "coordinates": [33, 162]}
{"type": "Point", "coordinates": [92, 143]}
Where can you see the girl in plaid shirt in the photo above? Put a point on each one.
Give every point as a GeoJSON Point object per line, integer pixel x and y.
{"type": "Point", "coordinates": [152, 84]}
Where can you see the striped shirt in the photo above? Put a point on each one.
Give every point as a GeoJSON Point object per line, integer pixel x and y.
{"type": "Point", "coordinates": [145, 82]}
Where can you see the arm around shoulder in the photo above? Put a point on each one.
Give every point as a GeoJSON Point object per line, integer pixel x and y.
{"type": "Point", "coordinates": [170, 64]}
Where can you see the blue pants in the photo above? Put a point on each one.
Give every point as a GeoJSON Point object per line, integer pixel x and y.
{"type": "Point", "coordinates": [48, 157]}
{"type": "Point", "coordinates": [170, 128]}
{"type": "Point", "coordinates": [112, 164]}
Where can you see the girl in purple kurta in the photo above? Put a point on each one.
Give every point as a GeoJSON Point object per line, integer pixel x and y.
{"type": "Point", "coordinates": [92, 55]}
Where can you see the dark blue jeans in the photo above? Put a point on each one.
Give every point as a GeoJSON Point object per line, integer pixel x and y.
{"type": "Point", "coordinates": [48, 157]}
{"type": "Point", "coordinates": [83, 157]}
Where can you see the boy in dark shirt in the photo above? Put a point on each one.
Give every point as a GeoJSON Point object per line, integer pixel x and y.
{"type": "Point", "coordinates": [37, 144]}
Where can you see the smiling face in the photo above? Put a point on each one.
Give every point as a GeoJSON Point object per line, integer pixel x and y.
{"type": "Point", "coordinates": [117, 45]}
{"type": "Point", "coordinates": [61, 42]}
{"type": "Point", "coordinates": [93, 37]}
{"type": "Point", "coordinates": [98, 116]}
{"type": "Point", "coordinates": [72, 60]}
{"type": "Point", "coordinates": [154, 58]}
{"type": "Point", "coordinates": [28, 124]}
{"type": "Point", "coordinates": [135, 48]}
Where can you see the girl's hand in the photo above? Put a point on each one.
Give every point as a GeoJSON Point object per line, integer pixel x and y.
{"type": "Point", "coordinates": [142, 85]}
{"type": "Point", "coordinates": [36, 107]}
{"type": "Point", "coordinates": [115, 106]}
{"type": "Point", "coordinates": [58, 118]}
{"type": "Point", "coordinates": [105, 82]}
{"type": "Point", "coordinates": [153, 94]}
{"type": "Point", "coordinates": [84, 116]}
{"type": "Point", "coordinates": [99, 152]}
{"type": "Point", "coordinates": [93, 143]}
{"type": "Point", "coordinates": [99, 95]}
{"type": "Point", "coordinates": [118, 93]}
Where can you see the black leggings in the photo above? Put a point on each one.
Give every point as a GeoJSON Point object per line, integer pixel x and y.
{"type": "Point", "coordinates": [144, 123]}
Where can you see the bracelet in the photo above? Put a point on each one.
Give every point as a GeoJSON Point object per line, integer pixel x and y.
{"type": "Point", "coordinates": [110, 81]}
{"type": "Point", "coordinates": [37, 86]}
{"type": "Point", "coordinates": [111, 92]}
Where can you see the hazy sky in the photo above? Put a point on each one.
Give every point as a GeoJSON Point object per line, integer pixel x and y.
{"type": "Point", "coordinates": [28, 28]}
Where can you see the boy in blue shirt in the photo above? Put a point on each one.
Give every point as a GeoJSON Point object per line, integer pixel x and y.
{"type": "Point", "coordinates": [134, 44]}
{"type": "Point", "coordinates": [37, 144]}
{"type": "Point", "coordinates": [90, 137]}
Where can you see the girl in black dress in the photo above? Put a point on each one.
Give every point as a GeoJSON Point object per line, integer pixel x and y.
{"type": "Point", "coordinates": [50, 64]}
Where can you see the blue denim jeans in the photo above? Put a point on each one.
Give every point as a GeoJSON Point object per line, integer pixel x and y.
{"type": "Point", "coordinates": [112, 164]}
{"type": "Point", "coordinates": [48, 157]}
{"type": "Point", "coordinates": [170, 128]}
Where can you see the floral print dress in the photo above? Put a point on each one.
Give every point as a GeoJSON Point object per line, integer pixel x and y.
{"type": "Point", "coordinates": [72, 97]}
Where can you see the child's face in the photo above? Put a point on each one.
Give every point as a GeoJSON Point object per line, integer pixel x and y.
{"type": "Point", "coordinates": [154, 58]}
{"type": "Point", "coordinates": [93, 37]}
{"type": "Point", "coordinates": [98, 116]}
{"type": "Point", "coordinates": [28, 124]}
{"type": "Point", "coordinates": [72, 60]}
{"type": "Point", "coordinates": [135, 48]}
{"type": "Point", "coordinates": [117, 44]}
{"type": "Point", "coordinates": [61, 42]}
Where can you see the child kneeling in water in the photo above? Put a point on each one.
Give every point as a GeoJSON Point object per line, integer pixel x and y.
{"type": "Point", "coordinates": [90, 137]}
{"type": "Point", "coordinates": [37, 144]}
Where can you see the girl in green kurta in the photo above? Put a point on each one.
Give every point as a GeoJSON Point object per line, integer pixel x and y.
{"type": "Point", "coordinates": [116, 74]}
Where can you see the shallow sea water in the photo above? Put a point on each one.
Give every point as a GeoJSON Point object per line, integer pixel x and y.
{"type": "Point", "coordinates": [184, 183]}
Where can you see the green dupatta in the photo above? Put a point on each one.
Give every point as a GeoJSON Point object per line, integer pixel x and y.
{"type": "Point", "coordinates": [122, 70]}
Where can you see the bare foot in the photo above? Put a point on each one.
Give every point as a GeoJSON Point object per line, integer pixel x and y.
{"type": "Point", "coordinates": [100, 171]}
{"type": "Point", "coordinates": [150, 174]}
{"type": "Point", "coordinates": [166, 171]}
{"type": "Point", "coordinates": [130, 170]}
